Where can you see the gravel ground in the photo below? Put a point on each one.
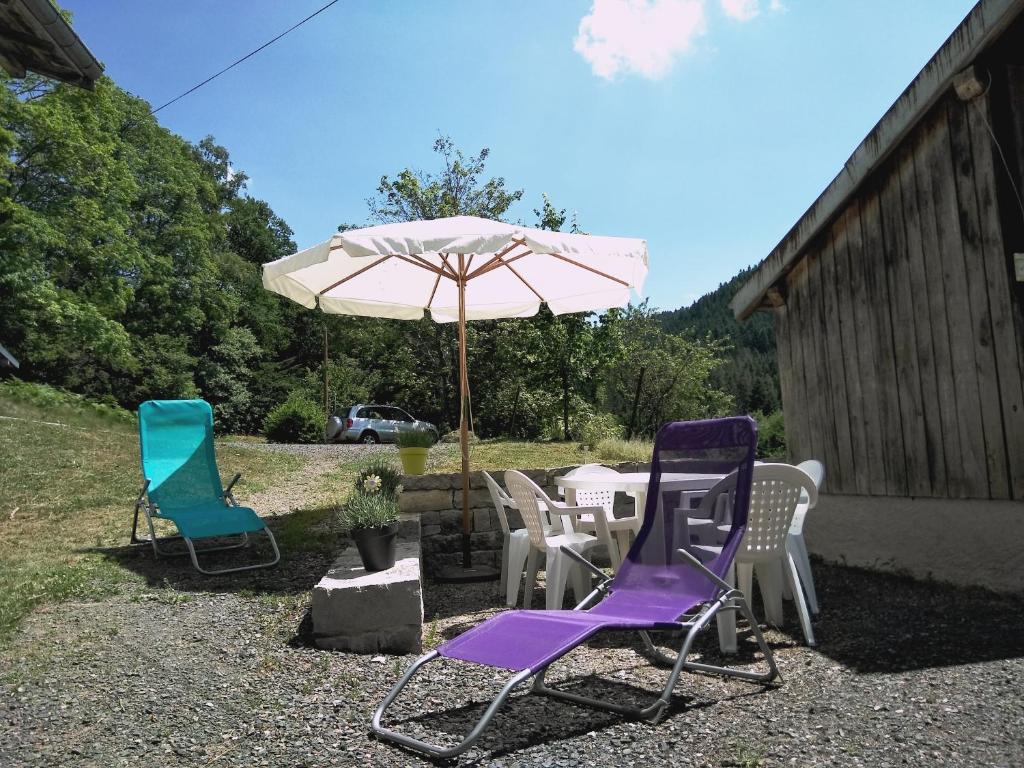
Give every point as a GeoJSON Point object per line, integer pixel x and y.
{"type": "Point", "coordinates": [321, 451]}
{"type": "Point", "coordinates": [181, 669]}
{"type": "Point", "coordinates": [218, 672]}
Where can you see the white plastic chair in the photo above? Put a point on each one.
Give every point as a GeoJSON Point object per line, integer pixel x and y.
{"type": "Point", "coordinates": [775, 494]}
{"type": "Point", "coordinates": [617, 527]}
{"type": "Point", "coordinates": [515, 545]}
{"type": "Point", "coordinates": [528, 497]}
{"type": "Point", "coordinates": [816, 471]}
{"type": "Point", "coordinates": [774, 497]}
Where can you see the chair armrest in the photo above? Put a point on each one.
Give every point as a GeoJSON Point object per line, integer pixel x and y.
{"type": "Point", "coordinates": [567, 514]}
{"type": "Point", "coordinates": [579, 511]}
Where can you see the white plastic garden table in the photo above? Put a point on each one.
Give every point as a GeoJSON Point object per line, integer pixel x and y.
{"type": "Point", "coordinates": [635, 484]}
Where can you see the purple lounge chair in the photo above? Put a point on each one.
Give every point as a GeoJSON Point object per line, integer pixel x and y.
{"type": "Point", "coordinates": [661, 586]}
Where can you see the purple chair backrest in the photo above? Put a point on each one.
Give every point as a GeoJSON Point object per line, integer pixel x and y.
{"type": "Point", "coordinates": [714, 449]}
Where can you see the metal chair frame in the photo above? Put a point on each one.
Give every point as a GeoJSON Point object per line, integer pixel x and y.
{"type": "Point", "coordinates": [144, 504]}
{"type": "Point", "coordinates": [728, 598]}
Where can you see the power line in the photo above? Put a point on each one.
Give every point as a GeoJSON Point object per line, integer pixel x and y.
{"type": "Point", "coordinates": [247, 56]}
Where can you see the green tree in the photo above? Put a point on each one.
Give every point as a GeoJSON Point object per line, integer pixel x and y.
{"type": "Point", "coordinates": [749, 371]}
{"type": "Point", "coordinates": [129, 259]}
{"type": "Point", "coordinates": [568, 337]}
{"type": "Point", "coordinates": [418, 364]}
{"type": "Point", "coordinates": [652, 377]}
{"type": "Point", "coordinates": [226, 378]}
{"type": "Point", "coordinates": [455, 190]}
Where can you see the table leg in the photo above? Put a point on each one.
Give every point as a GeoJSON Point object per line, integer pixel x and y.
{"type": "Point", "coordinates": [726, 621]}
{"type": "Point", "coordinates": [640, 504]}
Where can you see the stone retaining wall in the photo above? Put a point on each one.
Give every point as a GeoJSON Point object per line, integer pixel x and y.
{"type": "Point", "coordinates": [437, 499]}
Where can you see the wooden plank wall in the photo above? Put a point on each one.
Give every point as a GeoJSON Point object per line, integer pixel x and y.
{"type": "Point", "coordinates": [900, 363]}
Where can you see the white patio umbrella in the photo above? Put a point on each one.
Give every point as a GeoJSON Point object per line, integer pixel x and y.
{"type": "Point", "coordinates": [460, 268]}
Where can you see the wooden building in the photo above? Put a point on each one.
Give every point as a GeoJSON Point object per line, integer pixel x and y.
{"type": "Point", "coordinates": [898, 301]}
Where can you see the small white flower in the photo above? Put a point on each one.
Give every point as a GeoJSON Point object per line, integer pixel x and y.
{"type": "Point", "coordinates": [371, 483]}
{"type": "Point", "coordinates": [399, 489]}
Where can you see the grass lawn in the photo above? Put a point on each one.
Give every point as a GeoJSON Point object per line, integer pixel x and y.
{"type": "Point", "coordinates": [70, 473]}
{"type": "Point", "coordinates": [511, 454]}
{"type": "Point", "coordinates": [67, 487]}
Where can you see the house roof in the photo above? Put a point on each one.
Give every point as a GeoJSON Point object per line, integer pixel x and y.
{"type": "Point", "coordinates": [34, 36]}
{"type": "Point", "coordinates": [986, 21]}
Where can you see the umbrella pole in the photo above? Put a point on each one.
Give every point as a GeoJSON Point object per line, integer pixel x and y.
{"type": "Point", "coordinates": [467, 572]}
{"type": "Point", "coordinates": [467, 528]}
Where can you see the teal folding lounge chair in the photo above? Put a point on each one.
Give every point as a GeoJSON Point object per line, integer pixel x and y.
{"type": "Point", "coordinates": [181, 482]}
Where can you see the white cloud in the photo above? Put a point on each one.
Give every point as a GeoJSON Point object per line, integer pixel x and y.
{"type": "Point", "coordinates": [645, 37]}
{"type": "Point", "coordinates": [742, 10]}
{"type": "Point", "coordinates": [639, 36]}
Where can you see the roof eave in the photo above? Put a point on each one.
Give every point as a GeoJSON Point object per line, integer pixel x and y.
{"type": "Point", "coordinates": [69, 59]}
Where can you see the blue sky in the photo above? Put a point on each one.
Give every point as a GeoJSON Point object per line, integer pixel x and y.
{"type": "Point", "coordinates": [705, 126]}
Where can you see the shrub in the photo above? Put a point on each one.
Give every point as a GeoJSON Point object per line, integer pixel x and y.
{"type": "Point", "coordinates": [379, 477]}
{"type": "Point", "coordinates": [771, 435]}
{"type": "Point", "coordinates": [598, 427]}
{"type": "Point", "coordinates": [415, 438]}
{"type": "Point", "coordinates": [370, 510]}
{"type": "Point", "coordinates": [297, 420]}
{"type": "Point", "coordinates": [617, 449]}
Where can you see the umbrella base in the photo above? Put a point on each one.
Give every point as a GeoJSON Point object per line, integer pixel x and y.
{"type": "Point", "coordinates": [457, 574]}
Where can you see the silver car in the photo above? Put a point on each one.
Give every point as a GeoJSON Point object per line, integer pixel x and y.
{"type": "Point", "coordinates": [374, 424]}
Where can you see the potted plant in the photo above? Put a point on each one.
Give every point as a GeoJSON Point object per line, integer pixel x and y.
{"type": "Point", "coordinates": [373, 523]}
{"type": "Point", "coordinates": [413, 446]}
{"type": "Point", "coordinates": [371, 513]}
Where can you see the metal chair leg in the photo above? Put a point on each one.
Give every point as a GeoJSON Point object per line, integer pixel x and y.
{"type": "Point", "coordinates": [432, 749]}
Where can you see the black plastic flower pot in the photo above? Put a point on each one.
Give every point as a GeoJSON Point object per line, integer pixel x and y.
{"type": "Point", "coordinates": [376, 546]}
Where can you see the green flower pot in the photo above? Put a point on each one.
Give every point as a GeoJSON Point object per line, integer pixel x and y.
{"type": "Point", "coordinates": [414, 460]}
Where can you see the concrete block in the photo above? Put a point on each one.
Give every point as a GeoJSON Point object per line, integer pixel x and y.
{"type": "Point", "coordinates": [370, 612]}
{"type": "Point", "coordinates": [431, 530]}
{"type": "Point", "coordinates": [408, 527]}
{"type": "Point", "coordinates": [430, 517]}
{"type": "Point", "coordinates": [444, 542]}
{"type": "Point", "coordinates": [481, 520]}
{"type": "Point", "coordinates": [436, 482]}
{"type": "Point", "coordinates": [423, 501]}
{"type": "Point", "coordinates": [450, 520]}
{"type": "Point", "coordinates": [483, 541]}
{"type": "Point", "coordinates": [478, 498]}
{"type": "Point", "coordinates": [539, 476]}
{"type": "Point", "coordinates": [515, 520]}
{"type": "Point", "coordinates": [495, 522]}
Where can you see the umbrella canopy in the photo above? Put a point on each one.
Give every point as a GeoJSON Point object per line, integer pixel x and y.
{"type": "Point", "coordinates": [460, 268]}
{"type": "Point", "coordinates": [400, 270]}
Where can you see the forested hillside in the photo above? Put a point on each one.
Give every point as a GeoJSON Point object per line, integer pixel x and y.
{"type": "Point", "coordinates": [749, 371]}
{"type": "Point", "coordinates": [130, 268]}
